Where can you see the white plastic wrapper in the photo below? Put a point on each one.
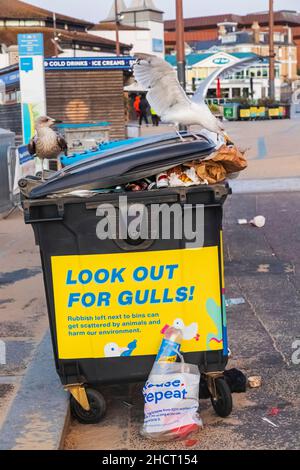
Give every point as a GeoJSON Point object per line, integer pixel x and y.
{"type": "Point", "coordinates": [171, 396]}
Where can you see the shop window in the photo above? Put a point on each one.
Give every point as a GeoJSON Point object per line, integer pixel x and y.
{"type": "Point", "coordinates": [212, 93]}
{"type": "Point", "coordinates": [236, 92]}
{"type": "Point", "coordinates": [239, 75]}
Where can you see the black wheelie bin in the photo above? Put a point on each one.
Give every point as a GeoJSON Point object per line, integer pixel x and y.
{"type": "Point", "coordinates": [111, 291]}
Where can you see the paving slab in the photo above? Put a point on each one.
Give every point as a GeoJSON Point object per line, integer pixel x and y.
{"type": "Point", "coordinates": [37, 416]}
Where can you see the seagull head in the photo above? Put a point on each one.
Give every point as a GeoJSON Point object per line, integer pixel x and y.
{"type": "Point", "coordinates": [46, 121]}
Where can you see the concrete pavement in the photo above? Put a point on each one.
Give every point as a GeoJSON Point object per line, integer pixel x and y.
{"type": "Point", "coordinates": [22, 304]}
{"type": "Point", "coordinates": [40, 410]}
{"type": "Point", "coordinates": [33, 405]}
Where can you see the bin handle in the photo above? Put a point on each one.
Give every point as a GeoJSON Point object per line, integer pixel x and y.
{"type": "Point", "coordinates": [126, 246]}
{"type": "Point", "coordinates": [34, 221]}
{"type": "Point", "coordinates": [145, 200]}
{"type": "Point", "coordinates": [28, 220]}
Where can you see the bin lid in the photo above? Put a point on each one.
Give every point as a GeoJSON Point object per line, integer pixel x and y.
{"type": "Point", "coordinates": [127, 163]}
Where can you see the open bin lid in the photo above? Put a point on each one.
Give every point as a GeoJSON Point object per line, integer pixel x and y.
{"type": "Point", "coordinates": [127, 163]}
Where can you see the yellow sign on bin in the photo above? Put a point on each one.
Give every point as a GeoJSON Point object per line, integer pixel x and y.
{"type": "Point", "coordinates": [111, 305]}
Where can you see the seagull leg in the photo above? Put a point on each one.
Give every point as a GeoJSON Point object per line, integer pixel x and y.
{"type": "Point", "coordinates": [195, 136]}
{"type": "Point", "coordinates": [178, 133]}
{"type": "Point", "coordinates": [180, 136]}
{"type": "Point", "coordinates": [43, 179]}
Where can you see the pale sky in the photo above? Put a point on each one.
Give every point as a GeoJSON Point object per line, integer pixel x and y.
{"type": "Point", "coordinates": [95, 10]}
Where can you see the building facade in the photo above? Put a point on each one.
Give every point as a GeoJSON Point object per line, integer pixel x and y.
{"type": "Point", "coordinates": [256, 42]}
{"type": "Point", "coordinates": [211, 28]}
{"type": "Point", "coordinates": [76, 94]}
{"type": "Point", "coordinates": [248, 83]}
{"type": "Point", "coordinates": [140, 26]}
{"type": "Point", "coordinates": [63, 35]}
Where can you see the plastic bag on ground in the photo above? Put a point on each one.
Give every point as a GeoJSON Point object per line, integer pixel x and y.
{"type": "Point", "coordinates": [171, 396]}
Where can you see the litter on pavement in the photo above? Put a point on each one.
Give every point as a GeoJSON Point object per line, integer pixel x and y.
{"type": "Point", "coordinates": [171, 393]}
{"type": "Point", "coordinates": [235, 301]}
{"type": "Point", "coordinates": [274, 411]}
{"type": "Point", "coordinates": [254, 381]}
{"type": "Point", "coordinates": [236, 380]}
{"type": "Point", "coordinates": [257, 221]}
{"type": "Point", "coordinates": [270, 422]}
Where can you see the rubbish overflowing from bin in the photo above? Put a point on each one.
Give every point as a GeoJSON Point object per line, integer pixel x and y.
{"type": "Point", "coordinates": [142, 164]}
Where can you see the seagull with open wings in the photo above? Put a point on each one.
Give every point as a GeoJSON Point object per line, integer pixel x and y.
{"type": "Point", "coordinates": [170, 101]}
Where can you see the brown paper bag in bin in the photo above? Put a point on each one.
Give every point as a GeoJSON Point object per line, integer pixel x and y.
{"type": "Point", "coordinates": [212, 172]}
{"type": "Point", "coordinates": [232, 159]}
{"type": "Point", "coordinates": [226, 160]}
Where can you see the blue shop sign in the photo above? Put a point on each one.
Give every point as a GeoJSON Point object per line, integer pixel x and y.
{"type": "Point", "coordinates": [89, 63]}
{"type": "Point", "coordinates": [221, 61]}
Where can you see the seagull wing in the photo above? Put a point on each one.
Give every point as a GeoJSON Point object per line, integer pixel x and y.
{"type": "Point", "coordinates": [160, 78]}
{"type": "Point", "coordinates": [223, 72]}
{"type": "Point", "coordinates": [62, 144]}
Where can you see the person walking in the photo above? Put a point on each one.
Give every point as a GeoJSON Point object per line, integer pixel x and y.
{"type": "Point", "coordinates": [154, 117]}
{"type": "Point", "coordinates": [144, 108]}
{"type": "Point", "coordinates": [136, 105]}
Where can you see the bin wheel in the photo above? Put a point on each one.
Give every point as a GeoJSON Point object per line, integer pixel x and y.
{"type": "Point", "coordinates": [222, 404]}
{"type": "Point", "coordinates": [97, 411]}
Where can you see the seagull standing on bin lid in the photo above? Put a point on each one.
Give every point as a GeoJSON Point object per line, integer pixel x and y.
{"type": "Point", "coordinates": [170, 101]}
{"type": "Point", "coordinates": [46, 143]}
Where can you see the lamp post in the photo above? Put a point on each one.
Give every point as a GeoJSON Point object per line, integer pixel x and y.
{"type": "Point", "coordinates": [271, 51]}
{"type": "Point", "coordinates": [117, 29]}
{"type": "Point", "coordinates": [180, 52]}
{"type": "Point", "coordinates": [55, 37]}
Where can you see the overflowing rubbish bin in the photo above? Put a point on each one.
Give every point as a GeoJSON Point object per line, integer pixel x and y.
{"type": "Point", "coordinates": [120, 267]}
